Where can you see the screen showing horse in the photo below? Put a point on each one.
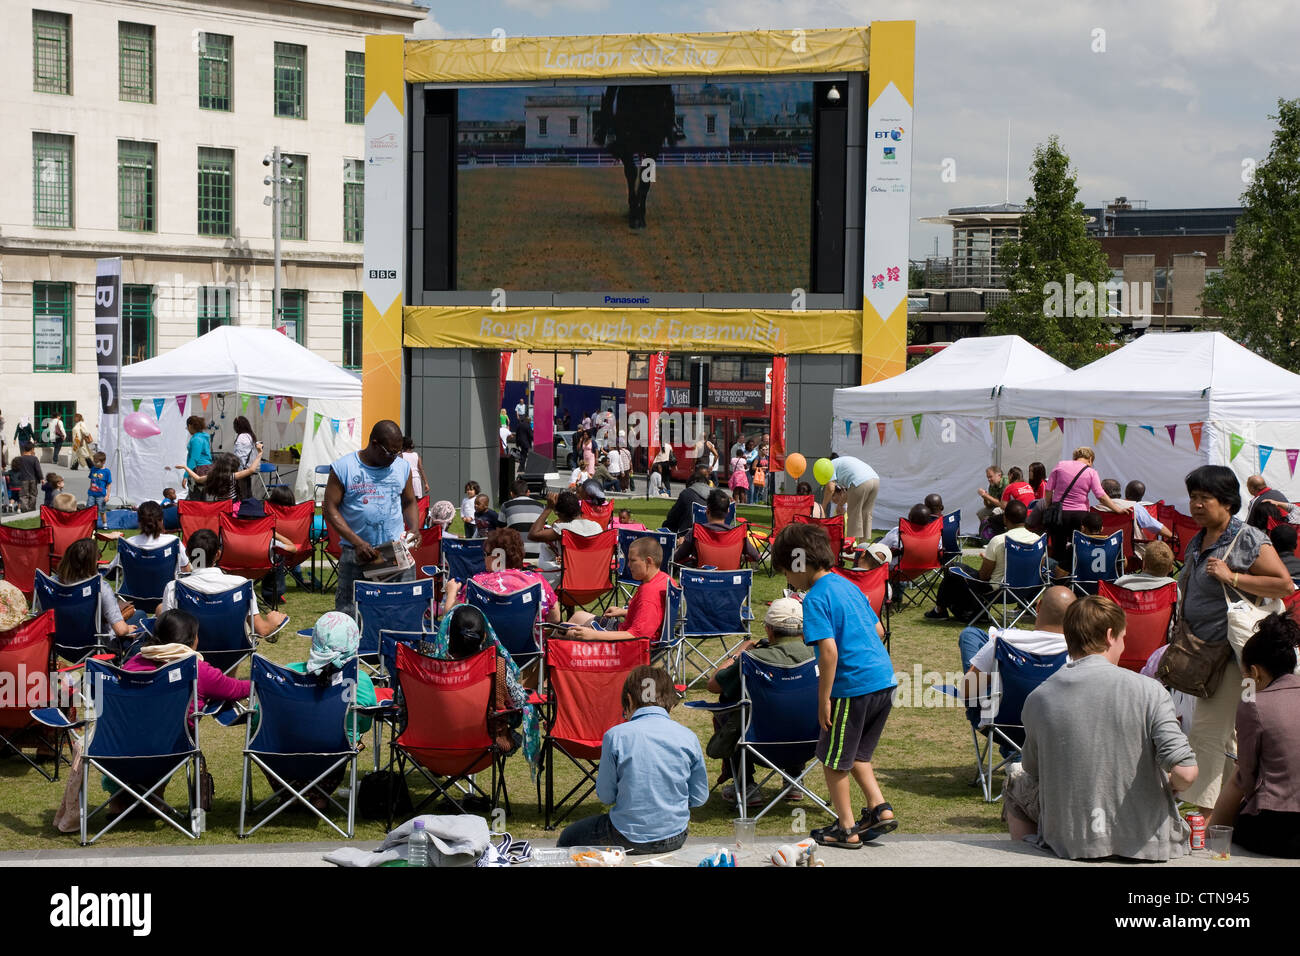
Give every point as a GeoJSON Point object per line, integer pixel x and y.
{"type": "Point", "coordinates": [696, 187]}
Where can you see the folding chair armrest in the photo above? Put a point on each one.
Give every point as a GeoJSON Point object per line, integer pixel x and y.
{"type": "Point", "coordinates": [382, 709]}
{"type": "Point", "coordinates": [53, 717]}
{"type": "Point", "coordinates": [432, 570]}
{"type": "Point", "coordinates": [711, 707]}
{"type": "Point", "coordinates": [275, 634]}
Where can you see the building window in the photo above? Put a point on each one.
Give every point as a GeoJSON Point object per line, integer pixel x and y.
{"type": "Point", "coordinates": [216, 191]}
{"type": "Point", "coordinates": [135, 185]}
{"type": "Point", "coordinates": [215, 57]}
{"type": "Point", "coordinates": [293, 314]}
{"type": "Point", "coordinates": [352, 330]}
{"type": "Point", "coordinates": [44, 411]}
{"type": "Point", "coordinates": [293, 208]}
{"type": "Point", "coordinates": [354, 88]}
{"type": "Point", "coordinates": [137, 323]}
{"type": "Point", "coordinates": [135, 62]}
{"type": "Point", "coordinates": [214, 307]}
{"type": "Point", "coordinates": [573, 126]}
{"type": "Point", "coordinates": [51, 326]}
{"type": "Point", "coordinates": [541, 126]}
{"type": "Point", "coordinates": [291, 80]}
{"type": "Point", "coordinates": [52, 180]}
{"type": "Point", "coordinates": [51, 52]}
{"type": "Point", "coordinates": [711, 124]}
{"type": "Point", "coordinates": [354, 200]}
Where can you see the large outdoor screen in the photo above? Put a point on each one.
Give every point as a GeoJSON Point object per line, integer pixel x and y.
{"type": "Point", "coordinates": [702, 187]}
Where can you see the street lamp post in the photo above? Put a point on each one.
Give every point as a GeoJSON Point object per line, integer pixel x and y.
{"type": "Point", "coordinates": [276, 180]}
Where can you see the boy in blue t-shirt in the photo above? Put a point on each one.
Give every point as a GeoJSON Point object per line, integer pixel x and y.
{"type": "Point", "coordinates": [101, 482]}
{"type": "Point", "coordinates": [855, 681]}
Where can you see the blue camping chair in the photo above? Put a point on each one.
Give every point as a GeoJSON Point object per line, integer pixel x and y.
{"type": "Point", "coordinates": [667, 542]}
{"type": "Point", "coordinates": [463, 557]}
{"type": "Point", "coordinates": [716, 608]}
{"type": "Point", "coordinates": [1016, 674]}
{"type": "Point", "coordinates": [1095, 560]}
{"type": "Point", "coordinates": [667, 647]}
{"type": "Point", "coordinates": [79, 629]}
{"type": "Point", "coordinates": [1026, 579]}
{"type": "Point", "coordinates": [951, 539]}
{"type": "Point", "coordinates": [141, 739]}
{"type": "Point", "coordinates": [225, 623]}
{"type": "Point", "coordinates": [304, 732]}
{"type": "Point", "coordinates": [395, 606]}
{"type": "Point", "coordinates": [171, 518]}
{"type": "Point", "coordinates": [700, 514]}
{"type": "Point", "coordinates": [514, 617]}
{"type": "Point", "coordinates": [146, 573]}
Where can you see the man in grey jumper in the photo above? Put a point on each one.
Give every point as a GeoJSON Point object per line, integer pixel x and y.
{"type": "Point", "coordinates": [1103, 754]}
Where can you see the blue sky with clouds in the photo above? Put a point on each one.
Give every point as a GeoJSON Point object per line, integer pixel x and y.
{"type": "Point", "coordinates": [1169, 112]}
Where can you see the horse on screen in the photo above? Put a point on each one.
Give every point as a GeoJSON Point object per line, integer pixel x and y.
{"type": "Point", "coordinates": [635, 122]}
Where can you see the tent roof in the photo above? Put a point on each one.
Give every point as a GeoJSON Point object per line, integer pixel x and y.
{"type": "Point", "coordinates": [962, 380]}
{"type": "Point", "coordinates": [1178, 377]}
{"type": "Point", "coordinates": [234, 359]}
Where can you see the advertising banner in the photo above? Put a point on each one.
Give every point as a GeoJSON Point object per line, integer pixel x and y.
{"type": "Point", "coordinates": [776, 452]}
{"type": "Point", "coordinates": [655, 399]}
{"type": "Point", "coordinates": [108, 332]}
{"type": "Point", "coordinates": [544, 416]}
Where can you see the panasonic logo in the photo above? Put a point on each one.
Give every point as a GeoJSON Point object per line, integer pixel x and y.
{"type": "Point", "coordinates": [627, 300]}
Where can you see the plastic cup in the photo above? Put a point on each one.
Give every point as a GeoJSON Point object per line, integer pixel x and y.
{"type": "Point", "coordinates": [746, 830]}
{"type": "Point", "coordinates": [1219, 841]}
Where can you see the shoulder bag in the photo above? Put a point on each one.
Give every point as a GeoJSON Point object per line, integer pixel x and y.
{"type": "Point", "coordinates": [1053, 514]}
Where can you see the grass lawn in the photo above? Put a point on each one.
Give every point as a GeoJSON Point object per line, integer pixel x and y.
{"type": "Point", "coordinates": [924, 763]}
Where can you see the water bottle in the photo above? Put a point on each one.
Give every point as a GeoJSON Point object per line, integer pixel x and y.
{"type": "Point", "coordinates": [418, 846]}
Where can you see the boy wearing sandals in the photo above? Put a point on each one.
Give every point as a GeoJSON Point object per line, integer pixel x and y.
{"type": "Point", "coordinates": [855, 681]}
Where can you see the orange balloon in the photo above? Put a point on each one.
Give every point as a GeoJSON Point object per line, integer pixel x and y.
{"type": "Point", "coordinates": [795, 465]}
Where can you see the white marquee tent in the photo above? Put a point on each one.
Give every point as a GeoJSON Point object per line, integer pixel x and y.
{"type": "Point", "coordinates": [1167, 403]}
{"type": "Point", "coordinates": [956, 393]}
{"type": "Point", "coordinates": [258, 373]}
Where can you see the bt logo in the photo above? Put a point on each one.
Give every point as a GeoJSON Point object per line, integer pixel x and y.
{"type": "Point", "coordinates": [895, 134]}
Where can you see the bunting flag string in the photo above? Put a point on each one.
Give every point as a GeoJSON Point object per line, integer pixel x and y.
{"type": "Point", "coordinates": [334, 424]}
{"type": "Point", "coordinates": [204, 398]}
{"type": "Point", "coordinates": [898, 428]}
{"type": "Point", "coordinates": [1097, 426]}
{"type": "Point", "coordinates": [296, 411]}
{"type": "Point", "coordinates": [1149, 428]}
{"type": "Point", "coordinates": [1195, 429]}
{"type": "Point", "coordinates": [1235, 441]}
{"type": "Point", "coordinates": [916, 423]}
{"type": "Point", "coordinates": [1173, 431]}
{"type": "Point", "coordinates": [848, 428]}
{"type": "Point", "coordinates": [261, 404]}
{"type": "Point", "coordinates": [1011, 431]}
{"type": "Point", "coordinates": [865, 429]}
{"type": "Point", "coordinates": [243, 403]}
{"type": "Point", "coordinates": [316, 425]}
{"type": "Point", "coordinates": [279, 403]}
{"type": "Point", "coordinates": [352, 424]}
{"type": "Point", "coordinates": [158, 405]}
{"type": "Point", "coordinates": [1052, 425]}
{"type": "Point", "coordinates": [1291, 455]}
{"type": "Point", "coordinates": [135, 403]}
{"type": "Point", "coordinates": [1060, 423]}
{"type": "Point", "coordinates": [1265, 452]}
{"type": "Point", "coordinates": [180, 402]}
{"type": "Point", "coordinates": [1033, 428]}
{"type": "Point", "coordinates": [880, 430]}
{"type": "Point", "coordinates": [1122, 429]}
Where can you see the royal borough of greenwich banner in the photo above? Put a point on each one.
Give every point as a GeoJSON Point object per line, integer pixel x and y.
{"type": "Point", "coordinates": [760, 52]}
{"type": "Point", "coordinates": [680, 330]}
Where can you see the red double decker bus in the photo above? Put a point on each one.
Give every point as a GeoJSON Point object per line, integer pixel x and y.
{"type": "Point", "coordinates": [737, 402]}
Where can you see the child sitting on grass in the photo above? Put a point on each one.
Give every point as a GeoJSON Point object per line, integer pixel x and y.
{"type": "Point", "coordinates": [855, 681]}
{"type": "Point", "coordinates": [651, 771]}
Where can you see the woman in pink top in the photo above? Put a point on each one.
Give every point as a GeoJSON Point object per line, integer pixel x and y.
{"type": "Point", "coordinates": [503, 550]}
{"type": "Point", "coordinates": [175, 636]}
{"type": "Point", "coordinates": [1070, 484]}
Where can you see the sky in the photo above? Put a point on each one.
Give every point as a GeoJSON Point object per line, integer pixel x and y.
{"type": "Point", "coordinates": [1160, 100]}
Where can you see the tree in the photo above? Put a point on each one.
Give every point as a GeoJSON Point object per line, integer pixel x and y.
{"type": "Point", "coordinates": [1056, 274]}
{"type": "Point", "coordinates": [1258, 292]}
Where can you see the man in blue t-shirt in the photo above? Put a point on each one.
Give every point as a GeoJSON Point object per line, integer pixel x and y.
{"type": "Point", "coordinates": [369, 501]}
{"type": "Point", "coordinates": [854, 486]}
{"type": "Point", "coordinates": [855, 681]}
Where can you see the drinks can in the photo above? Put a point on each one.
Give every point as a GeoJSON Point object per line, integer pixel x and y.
{"type": "Point", "coordinates": [1196, 821]}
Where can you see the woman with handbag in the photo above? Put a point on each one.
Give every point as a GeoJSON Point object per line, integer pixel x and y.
{"type": "Point", "coordinates": [1065, 501]}
{"type": "Point", "coordinates": [1227, 561]}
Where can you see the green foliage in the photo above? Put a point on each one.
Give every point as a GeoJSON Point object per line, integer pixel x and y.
{"type": "Point", "coordinates": [1258, 292]}
{"type": "Point", "coordinates": [1067, 321]}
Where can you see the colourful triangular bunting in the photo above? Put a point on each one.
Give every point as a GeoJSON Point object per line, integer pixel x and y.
{"type": "Point", "coordinates": [158, 405]}
{"type": "Point", "coordinates": [1173, 432]}
{"type": "Point", "coordinates": [261, 404]}
{"type": "Point", "coordinates": [243, 403]}
{"type": "Point", "coordinates": [204, 398]}
{"type": "Point", "coordinates": [916, 423]}
{"type": "Point", "coordinates": [135, 403]}
{"type": "Point", "coordinates": [880, 430]}
{"type": "Point", "coordinates": [898, 428]}
{"type": "Point", "coordinates": [180, 402]}
{"type": "Point", "coordinates": [1122, 429]}
{"type": "Point", "coordinates": [334, 424]}
{"type": "Point", "coordinates": [864, 428]}
{"type": "Point", "coordinates": [1291, 455]}
{"type": "Point", "coordinates": [1097, 426]}
{"type": "Point", "coordinates": [1033, 428]}
{"type": "Point", "coordinates": [1195, 428]}
{"type": "Point", "coordinates": [1265, 452]}
{"type": "Point", "coordinates": [316, 424]}
{"type": "Point", "coordinates": [1011, 431]}
{"type": "Point", "coordinates": [279, 403]}
{"type": "Point", "coordinates": [352, 424]}
{"type": "Point", "coordinates": [1235, 442]}
{"type": "Point", "coordinates": [1148, 428]}
{"type": "Point", "coordinates": [848, 428]}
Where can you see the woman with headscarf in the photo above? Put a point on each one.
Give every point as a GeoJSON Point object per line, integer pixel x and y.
{"type": "Point", "coordinates": [13, 607]}
{"type": "Point", "coordinates": [443, 513]}
{"type": "Point", "coordinates": [466, 632]}
{"type": "Point", "coordinates": [24, 432]}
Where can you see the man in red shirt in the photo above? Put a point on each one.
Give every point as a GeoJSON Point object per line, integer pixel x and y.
{"type": "Point", "coordinates": [644, 614]}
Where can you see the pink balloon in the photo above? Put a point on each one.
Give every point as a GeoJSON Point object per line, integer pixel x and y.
{"type": "Point", "coordinates": [140, 425]}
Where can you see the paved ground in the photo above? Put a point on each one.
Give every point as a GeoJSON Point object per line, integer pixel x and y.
{"type": "Point", "coordinates": [948, 850]}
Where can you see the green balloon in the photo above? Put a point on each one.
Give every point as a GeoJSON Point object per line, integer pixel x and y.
{"type": "Point", "coordinates": [824, 470]}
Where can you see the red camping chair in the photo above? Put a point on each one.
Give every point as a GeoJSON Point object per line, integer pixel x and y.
{"type": "Point", "coordinates": [422, 510]}
{"type": "Point", "coordinates": [247, 545]}
{"type": "Point", "coordinates": [429, 551]}
{"type": "Point", "coordinates": [1111, 523]}
{"type": "Point", "coordinates": [1292, 605]}
{"type": "Point", "coordinates": [1147, 614]}
{"type": "Point", "coordinates": [601, 514]}
{"type": "Point", "coordinates": [920, 561]}
{"type": "Point", "coordinates": [201, 514]}
{"type": "Point", "coordinates": [1183, 526]}
{"type": "Point", "coordinates": [446, 734]}
{"type": "Point", "coordinates": [784, 508]}
{"type": "Point", "coordinates": [584, 699]}
{"type": "Point", "coordinates": [26, 651]}
{"type": "Point", "coordinates": [22, 552]}
{"type": "Point", "coordinates": [68, 527]}
{"type": "Point", "coordinates": [875, 585]}
{"type": "Point", "coordinates": [834, 528]}
{"type": "Point", "coordinates": [333, 554]}
{"type": "Point", "coordinates": [723, 549]}
{"type": "Point", "coordinates": [586, 567]}
{"type": "Point", "coordinates": [294, 522]}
